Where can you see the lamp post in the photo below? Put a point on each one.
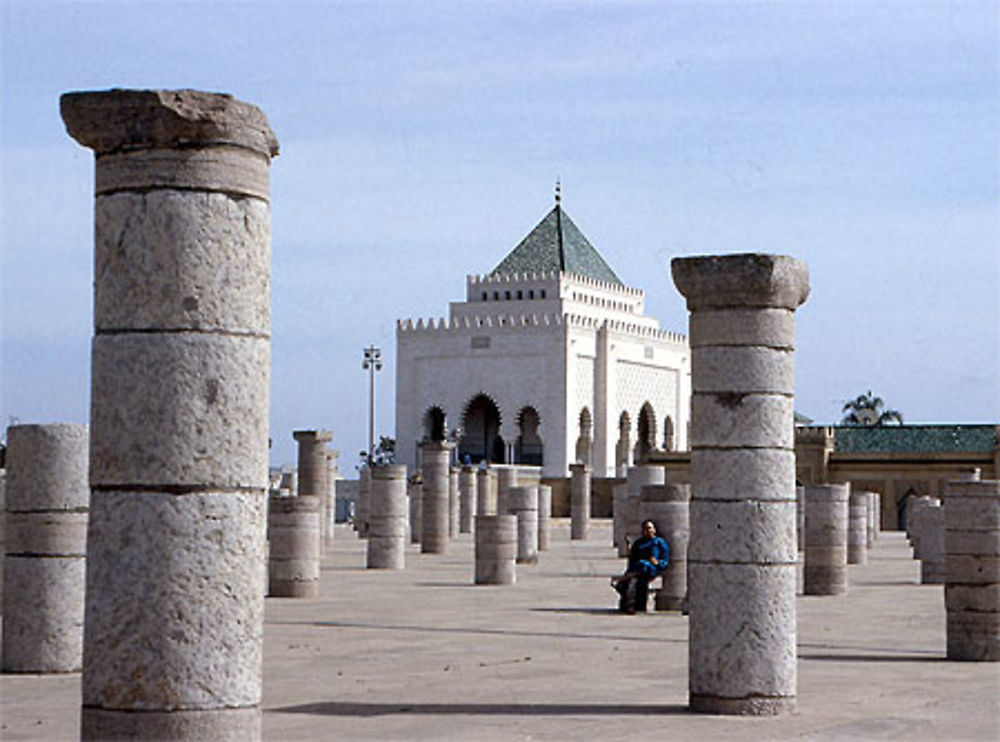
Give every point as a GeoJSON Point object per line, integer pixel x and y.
{"type": "Point", "coordinates": [371, 363]}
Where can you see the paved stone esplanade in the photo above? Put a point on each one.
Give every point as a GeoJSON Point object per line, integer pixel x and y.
{"type": "Point", "coordinates": [179, 412]}
{"type": "Point", "coordinates": [742, 554]}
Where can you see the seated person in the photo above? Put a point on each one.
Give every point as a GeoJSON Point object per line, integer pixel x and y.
{"type": "Point", "coordinates": [647, 558]}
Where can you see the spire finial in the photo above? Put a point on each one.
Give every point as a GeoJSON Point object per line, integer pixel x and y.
{"type": "Point", "coordinates": [558, 191]}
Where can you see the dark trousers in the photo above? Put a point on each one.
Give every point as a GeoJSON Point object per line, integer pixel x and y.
{"type": "Point", "coordinates": [633, 590]}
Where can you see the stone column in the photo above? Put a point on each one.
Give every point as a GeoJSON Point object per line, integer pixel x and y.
{"type": "Point", "coordinates": [496, 549]}
{"type": "Point", "coordinates": [289, 484]}
{"type": "Point", "coordinates": [506, 478]}
{"type": "Point", "coordinates": [415, 491]}
{"type": "Point", "coordinates": [466, 499]}
{"type": "Point", "coordinates": [523, 502]}
{"type": "Point", "coordinates": [453, 514]}
{"type": "Point", "coordinates": [668, 506]}
{"type": "Point", "coordinates": [363, 511]}
{"type": "Point", "coordinates": [544, 516]}
{"type": "Point", "coordinates": [872, 518]}
{"type": "Point", "coordinates": [741, 561]}
{"type": "Point", "coordinates": [331, 494]}
{"type": "Point", "coordinates": [46, 544]}
{"type": "Point", "coordinates": [972, 586]}
{"type": "Point", "coordinates": [484, 505]}
{"type": "Point", "coordinates": [933, 556]}
{"type": "Point", "coordinates": [826, 539]}
{"type": "Point", "coordinates": [579, 501]}
{"type": "Point", "coordinates": [313, 472]}
{"type": "Point", "coordinates": [619, 517]}
{"type": "Point", "coordinates": [435, 456]}
{"type": "Point", "coordinates": [857, 528]}
{"type": "Point", "coordinates": [388, 520]}
{"type": "Point", "coordinates": [800, 517]}
{"type": "Point", "coordinates": [637, 478]}
{"type": "Point", "coordinates": [293, 538]}
{"type": "Point", "coordinates": [179, 413]}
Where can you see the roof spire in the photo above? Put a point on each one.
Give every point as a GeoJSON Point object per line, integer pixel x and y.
{"type": "Point", "coordinates": [558, 191]}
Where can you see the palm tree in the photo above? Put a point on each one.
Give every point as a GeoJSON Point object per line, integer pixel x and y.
{"type": "Point", "coordinates": [867, 409]}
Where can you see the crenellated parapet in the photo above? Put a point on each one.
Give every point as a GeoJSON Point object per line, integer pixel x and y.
{"type": "Point", "coordinates": [490, 321]}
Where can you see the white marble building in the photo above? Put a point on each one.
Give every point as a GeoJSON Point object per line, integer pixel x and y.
{"type": "Point", "coordinates": [549, 360]}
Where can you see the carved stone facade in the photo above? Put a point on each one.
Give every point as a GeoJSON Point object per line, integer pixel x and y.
{"type": "Point", "coordinates": [545, 367]}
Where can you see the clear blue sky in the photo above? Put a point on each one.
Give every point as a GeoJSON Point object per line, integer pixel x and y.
{"type": "Point", "coordinates": [421, 140]}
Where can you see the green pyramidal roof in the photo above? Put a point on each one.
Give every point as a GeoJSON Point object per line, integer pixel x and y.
{"type": "Point", "coordinates": [556, 244]}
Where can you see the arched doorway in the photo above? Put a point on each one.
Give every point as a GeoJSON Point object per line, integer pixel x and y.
{"type": "Point", "coordinates": [646, 442]}
{"type": "Point", "coordinates": [435, 426]}
{"type": "Point", "coordinates": [528, 449]}
{"type": "Point", "coordinates": [481, 432]}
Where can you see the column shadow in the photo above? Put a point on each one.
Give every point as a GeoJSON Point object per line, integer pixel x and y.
{"type": "Point", "coordinates": [363, 709]}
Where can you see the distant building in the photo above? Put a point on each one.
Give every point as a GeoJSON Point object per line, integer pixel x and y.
{"type": "Point", "coordinates": [548, 361]}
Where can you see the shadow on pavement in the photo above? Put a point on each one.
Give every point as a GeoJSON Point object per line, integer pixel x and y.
{"type": "Point", "coordinates": [349, 708]}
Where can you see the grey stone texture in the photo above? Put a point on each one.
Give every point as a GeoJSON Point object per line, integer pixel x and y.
{"type": "Point", "coordinates": [467, 499]}
{"type": "Point", "coordinates": [668, 506]}
{"type": "Point", "coordinates": [972, 569]}
{"type": "Point", "coordinates": [312, 465]}
{"type": "Point", "coordinates": [506, 478]}
{"type": "Point", "coordinates": [619, 518]}
{"type": "Point", "coordinates": [486, 487]}
{"type": "Point", "coordinates": [454, 524]}
{"type": "Point", "coordinates": [363, 510]}
{"type": "Point", "coordinates": [45, 543]}
{"type": "Point", "coordinates": [544, 516]}
{"type": "Point", "coordinates": [389, 516]}
{"type": "Point", "coordinates": [435, 518]}
{"type": "Point", "coordinates": [293, 534]}
{"type": "Point", "coordinates": [857, 528]}
{"type": "Point", "coordinates": [743, 544]}
{"type": "Point", "coordinates": [197, 726]}
{"type": "Point", "coordinates": [180, 396]}
{"type": "Point", "coordinates": [415, 493]}
{"type": "Point", "coordinates": [523, 503]}
{"type": "Point", "coordinates": [636, 478]}
{"type": "Point", "coordinates": [825, 571]}
{"type": "Point", "coordinates": [496, 549]}
{"type": "Point", "coordinates": [580, 500]}
{"type": "Point", "coordinates": [800, 517]}
{"type": "Point", "coordinates": [932, 558]}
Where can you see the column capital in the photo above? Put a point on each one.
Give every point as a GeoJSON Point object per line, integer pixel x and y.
{"type": "Point", "coordinates": [109, 121]}
{"type": "Point", "coordinates": [741, 281]}
{"type": "Point", "coordinates": [317, 436]}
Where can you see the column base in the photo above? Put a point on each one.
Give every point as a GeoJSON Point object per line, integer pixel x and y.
{"type": "Point", "coordinates": [239, 724]}
{"type": "Point", "coordinates": [293, 589]}
{"type": "Point", "coordinates": [749, 706]}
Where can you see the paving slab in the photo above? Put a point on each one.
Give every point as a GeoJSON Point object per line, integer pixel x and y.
{"type": "Point", "coordinates": [423, 654]}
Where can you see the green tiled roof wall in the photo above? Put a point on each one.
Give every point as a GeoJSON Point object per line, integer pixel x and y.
{"type": "Point", "coordinates": [557, 245]}
{"type": "Point", "coordinates": [914, 438]}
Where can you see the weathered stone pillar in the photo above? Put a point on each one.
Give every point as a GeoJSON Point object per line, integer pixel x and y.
{"type": "Point", "coordinates": [741, 560]}
{"type": "Point", "coordinates": [331, 495]}
{"type": "Point", "coordinates": [46, 544]}
{"type": "Point", "coordinates": [914, 520]}
{"type": "Point", "coordinates": [415, 492]}
{"type": "Point", "coordinates": [523, 502]}
{"type": "Point", "coordinates": [466, 499]}
{"type": "Point", "coordinates": [363, 511]}
{"type": "Point", "coordinates": [293, 538]}
{"type": "Point", "coordinates": [485, 482]}
{"type": "Point", "coordinates": [668, 506]}
{"type": "Point", "coordinates": [857, 528]}
{"type": "Point", "coordinates": [506, 478]}
{"type": "Point", "coordinates": [579, 501]}
{"type": "Point", "coordinates": [933, 554]}
{"type": "Point", "coordinates": [972, 587]}
{"type": "Point", "coordinates": [800, 517]}
{"type": "Point", "coordinates": [619, 518]}
{"type": "Point", "coordinates": [544, 516]}
{"type": "Point", "coordinates": [826, 539]}
{"type": "Point", "coordinates": [872, 505]}
{"type": "Point", "coordinates": [637, 478]}
{"type": "Point", "coordinates": [388, 520]}
{"type": "Point", "coordinates": [496, 549]}
{"type": "Point", "coordinates": [453, 514]}
{"type": "Point", "coordinates": [313, 472]}
{"type": "Point", "coordinates": [434, 520]}
{"type": "Point", "coordinates": [179, 413]}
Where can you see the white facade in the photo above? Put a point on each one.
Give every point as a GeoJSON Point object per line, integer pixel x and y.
{"type": "Point", "coordinates": [541, 352]}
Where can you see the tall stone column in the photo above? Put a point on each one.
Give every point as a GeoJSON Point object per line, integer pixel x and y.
{"type": "Point", "coordinates": [972, 582]}
{"type": "Point", "coordinates": [579, 501]}
{"type": "Point", "coordinates": [363, 510]}
{"type": "Point", "coordinates": [742, 555]}
{"type": "Point", "coordinates": [857, 528]}
{"type": "Point", "coordinates": [484, 505]}
{"type": "Point", "coordinates": [415, 491]}
{"type": "Point", "coordinates": [668, 506]}
{"type": "Point", "coordinates": [496, 549]}
{"type": "Point", "coordinates": [389, 516]}
{"type": "Point", "coordinates": [44, 572]}
{"type": "Point", "coordinates": [638, 477]}
{"type": "Point", "coordinates": [872, 518]}
{"type": "Point", "coordinates": [435, 456]}
{"type": "Point", "coordinates": [544, 516]}
{"type": "Point", "coordinates": [331, 495]}
{"type": "Point", "coordinates": [619, 518]}
{"type": "Point", "coordinates": [506, 478]}
{"type": "Point", "coordinates": [313, 472]}
{"type": "Point", "coordinates": [466, 499]}
{"type": "Point", "coordinates": [933, 558]}
{"type": "Point", "coordinates": [293, 537]}
{"type": "Point", "coordinates": [826, 539]}
{"type": "Point", "coordinates": [523, 502]}
{"type": "Point", "coordinates": [453, 507]}
{"type": "Point", "coordinates": [179, 413]}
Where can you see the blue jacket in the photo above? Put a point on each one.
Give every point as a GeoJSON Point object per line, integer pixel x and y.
{"type": "Point", "coordinates": [642, 549]}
